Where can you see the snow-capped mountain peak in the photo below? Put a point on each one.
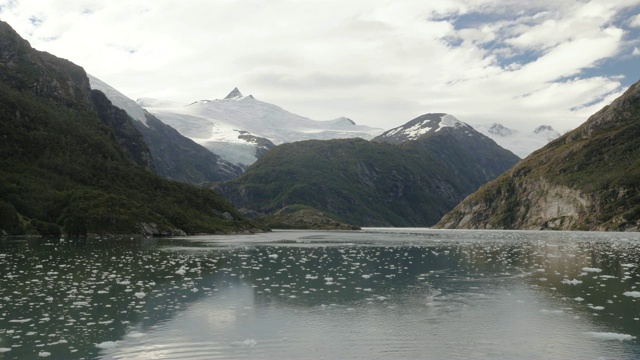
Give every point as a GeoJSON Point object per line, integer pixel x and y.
{"type": "Point", "coordinates": [234, 94]}
{"type": "Point", "coordinates": [500, 130]}
{"type": "Point", "coordinates": [546, 132]}
{"type": "Point", "coordinates": [521, 143]}
{"type": "Point", "coordinates": [425, 124]}
{"type": "Point", "coordinates": [229, 126]}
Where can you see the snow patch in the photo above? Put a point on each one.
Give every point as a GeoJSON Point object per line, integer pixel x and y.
{"type": "Point", "coordinates": [449, 121]}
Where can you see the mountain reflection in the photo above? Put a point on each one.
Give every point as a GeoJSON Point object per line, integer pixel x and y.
{"type": "Point", "coordinates": [362, 292]}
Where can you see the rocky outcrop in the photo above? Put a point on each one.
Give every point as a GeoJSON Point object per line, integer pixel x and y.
{"type": "Point", "coordinates": [532, 205]}
{"type": "Point", "coordinates": [41, 73]}
{"type": "Point", "coordinates": [588, 179]}
{"type": "Point", "coordinates": [152, 229]}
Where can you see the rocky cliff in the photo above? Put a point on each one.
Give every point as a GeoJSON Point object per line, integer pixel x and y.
{"type": "Point", "coordinates": [588, 179]}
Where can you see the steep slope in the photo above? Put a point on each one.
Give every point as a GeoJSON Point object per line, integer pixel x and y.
{"type": "Point", "coordinates": [173, 156]}
{"type": "Point", "coordinates": [241, 128]}
{"type": "Point", "coordinates": [62, 170]}
{"type": "Point", "coordinates": [588, 179]}
{"type": "Point", "coordinates": [124, 131]}
{"type": "Point", "coordinates": [372, 183]}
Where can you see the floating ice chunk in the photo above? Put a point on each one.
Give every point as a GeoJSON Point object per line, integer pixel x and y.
{"type": "Point", "coordinates": [44, 354]}
{"type": "Point", "coordinates": [545, 311]}
{"type": "Point", "coordinates": [107, 345]}
{"type": "Point", "coordinates": [588, 269]}
{"type": "Point", "coordinates": [4, 350]}
{"type": "Point", "coordinates": [273, 256]}
{"type": "Point", "coordinates": [596, 307]}
{"type": "Point", "coordinates": [578, 299]}
{"type": "Point", "coordinates": [572, 282]}
{"type": "Point", "coordinates": [610, 336]}
{"type": "Point", "coordinates": [181, 271]}
{"type": "Point", "coordinates": [366, 276]}
{"type": "Point", "coordinates": [140, 295]}
{"type": "Point", "coordinates": [630, 265]}
{"type": "Point", "coordinates": [245, 343]}
{"type": "Point", "coordinates": [634, 294]}
{"type": "Point", "coordinates": [19, 320]}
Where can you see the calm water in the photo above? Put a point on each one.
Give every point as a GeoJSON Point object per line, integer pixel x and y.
{"type": "Point", "coordinates": [402, 293]}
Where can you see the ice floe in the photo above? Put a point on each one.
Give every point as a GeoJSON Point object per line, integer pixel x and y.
{"type": "Point", "coordinates": [610, 336]}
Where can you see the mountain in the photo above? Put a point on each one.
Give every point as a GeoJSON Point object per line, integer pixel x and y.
{"type": "Point", "coordinates": [588, 179]}
{"type": "Point", "coordinates": [546, 132]}
{"type": "Point", "coordinates": [172, 155]}
{"type": "Point", "coordinates": [422, 126]}
{"type": "Point", "coordinates": [62, 169]}
{"type": "Point", "coordinates": [241, 128]}
{"type": "Point", "coordinates": [500, 130]}
{"type": "Point", "coordinates": [519, 142]}
{"type": "Point", "coordinates": [395, 180]}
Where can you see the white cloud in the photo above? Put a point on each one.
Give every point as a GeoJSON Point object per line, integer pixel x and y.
{"type": "Point", "coordinates": [380, 62]}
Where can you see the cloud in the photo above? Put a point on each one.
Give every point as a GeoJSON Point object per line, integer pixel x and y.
{"type": "Point", "coordinates": [379, 62]}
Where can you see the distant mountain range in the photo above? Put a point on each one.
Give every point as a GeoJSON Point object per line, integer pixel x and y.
{"type": "Point", "coordinates": [173, 155]}
{"type": "Point", "coordinates": [240, 129]}
{"type": "Point", "coordinates": [408, 176]}
{"type": "Point", "coordinates": [587, 179]}
{"type": "Point", "coordinates": [519, 142]}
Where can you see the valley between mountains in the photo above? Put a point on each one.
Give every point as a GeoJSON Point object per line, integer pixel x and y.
{"type": "Point", "coordinates": [79, 157]}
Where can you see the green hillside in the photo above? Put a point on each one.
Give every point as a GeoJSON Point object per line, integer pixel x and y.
{"type": "Point", "coordinates": [61, 169]}
{"type": "Point", "coordinates": [360, 182]}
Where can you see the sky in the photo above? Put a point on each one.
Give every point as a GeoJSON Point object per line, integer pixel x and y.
{"type": "Point", "coordinates": [378, 62]}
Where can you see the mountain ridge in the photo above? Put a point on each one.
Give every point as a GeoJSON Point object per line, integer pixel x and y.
{"type": "Point", "coordinates": [372, 183]}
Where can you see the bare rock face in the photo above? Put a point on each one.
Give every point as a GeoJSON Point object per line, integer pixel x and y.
{"type": "Point", "coordinates": [588, 179]}
{"type": "Point", "coordinates": [543, 206]}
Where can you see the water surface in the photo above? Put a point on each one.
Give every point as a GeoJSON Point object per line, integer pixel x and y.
{"type": "Point", "coordinates": [377, 293]}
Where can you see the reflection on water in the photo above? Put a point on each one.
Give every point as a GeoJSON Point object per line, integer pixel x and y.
{"type": "Point", "coordinates": [378, 293]}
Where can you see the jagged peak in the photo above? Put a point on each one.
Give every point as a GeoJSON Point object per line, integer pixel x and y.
{"type": "Point", "coordinates": [500, 130]}
{"type": "Point", "coordinates": [234, 94]}
{"type": "Point", "coordinates": [542, 128]}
